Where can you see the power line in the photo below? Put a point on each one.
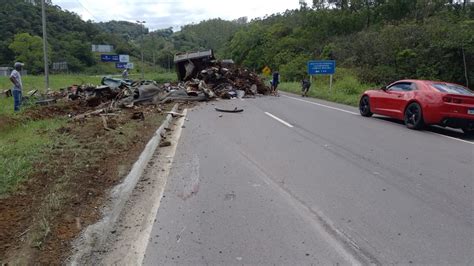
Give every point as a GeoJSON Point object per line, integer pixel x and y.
{"type": "Point", "coordinates": [87, 10]}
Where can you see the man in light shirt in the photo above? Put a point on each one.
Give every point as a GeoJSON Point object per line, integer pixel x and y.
{"type": "Point", "coordinates": [125, 74]}
{"type": "Point", "coordinates": [15, 78]}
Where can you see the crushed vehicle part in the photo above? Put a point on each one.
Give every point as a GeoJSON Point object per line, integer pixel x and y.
{"type": "Point", "coordinates": [235, 110]}
{"type": "Point", "coordinates": [46, 102]}
{"type": "Point", "coordinates": [115, 83]}
{"type": "Point", "coordinates": [188, 65]}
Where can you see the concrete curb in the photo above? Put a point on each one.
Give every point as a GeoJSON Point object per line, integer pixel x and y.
{"type": "Point", "coordinates": [96, 235]}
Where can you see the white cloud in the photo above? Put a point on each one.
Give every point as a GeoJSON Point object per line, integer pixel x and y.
{"type": "Point", "coordinates": [173, 13]}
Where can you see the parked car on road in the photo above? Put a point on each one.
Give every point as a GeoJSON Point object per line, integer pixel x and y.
{"type": "Point", "coordinates": [422, 102]}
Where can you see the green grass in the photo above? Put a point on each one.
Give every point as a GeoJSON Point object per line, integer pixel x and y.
{"type": "Point", "coordinates": [21, 146]}
{"type": "Point", "coordinates": [346, 88]}
{"type": "Point", "coordinates": [56, 82]}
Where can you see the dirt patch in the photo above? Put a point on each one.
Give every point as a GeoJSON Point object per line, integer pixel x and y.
{"type": "Point", "coordinates": [70, 108]}
{"type": "Point", "coordinates": [7, 122]}
{"type": "Point", "coordinates": [40, 219]}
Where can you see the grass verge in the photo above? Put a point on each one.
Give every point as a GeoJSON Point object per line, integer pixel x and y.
{"type": "Point", "coordinates": [21, 146]}
{"type": "Point", "coordinates": [31, 82]}
{"type": "Point", "coordinates": [60, 172]}
{"type": "Point", "coordinates": [346, 88]}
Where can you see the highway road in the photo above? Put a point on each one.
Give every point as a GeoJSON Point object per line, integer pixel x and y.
{"type": "Point", "coordinates": [298, 181]}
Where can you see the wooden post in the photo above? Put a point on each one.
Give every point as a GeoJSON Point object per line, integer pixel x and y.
{"type": "Point", "coordinates": [330, 83]}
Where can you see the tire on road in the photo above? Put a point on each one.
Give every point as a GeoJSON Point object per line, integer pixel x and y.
{"type": "Point", "coordinates": [413, 116]}
{"type": "Point", "coordinates": [364, 106]}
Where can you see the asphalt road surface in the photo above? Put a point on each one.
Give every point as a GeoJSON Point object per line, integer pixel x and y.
{"type": "Point", "coordinates": [296, 181]}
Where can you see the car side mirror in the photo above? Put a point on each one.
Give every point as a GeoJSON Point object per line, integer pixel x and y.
{"type": "Point", "coordinates": [384, 88]}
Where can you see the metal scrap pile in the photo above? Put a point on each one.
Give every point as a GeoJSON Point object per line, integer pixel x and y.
{"type": "Point", "coordinates": [213, 81]}
{"type": "Point", "coordinates": [120, 93]}
{"type": "Point", "coordinates": [202, 73]}
{"type": "Point", "coordinates": [229, 83]}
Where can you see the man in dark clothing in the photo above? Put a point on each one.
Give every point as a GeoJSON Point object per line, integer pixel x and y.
{"type": "Point", "coordinates": [305, 85]}
{"type": "Point", "coordinates": [275, 82]}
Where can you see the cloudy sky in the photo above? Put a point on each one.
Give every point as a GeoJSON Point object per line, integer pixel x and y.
{"type": "Point", "coordinates": [173, 13]}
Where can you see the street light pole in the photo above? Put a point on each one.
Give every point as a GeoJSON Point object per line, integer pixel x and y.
{"type": "Point", "coordinates": [142, 23]}
{"type": "Point", "coordinates": [45, 46]}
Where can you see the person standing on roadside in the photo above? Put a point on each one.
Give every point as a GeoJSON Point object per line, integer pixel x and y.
{"type": "Point", "coordinates": [305, 85]}
{"type": "Point", "coordinates": [125, 74]}
{"type": "Point", "coordinates": [275, 82]}
{"type": "Point", "coordinates": [15, 78]}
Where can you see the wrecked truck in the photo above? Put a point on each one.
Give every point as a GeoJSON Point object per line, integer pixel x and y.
{"type": "Point", "coordinates": [188, 65]}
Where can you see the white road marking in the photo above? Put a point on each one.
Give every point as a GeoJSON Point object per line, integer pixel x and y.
{"type": "Point", "coordinates": [453, 138]}
{"type": "Point", "coordinates": [354, 113]}
{"type": "Point", "coordinates": [322, 105]}
{"type": "Point", "coordinates": [279, 120]}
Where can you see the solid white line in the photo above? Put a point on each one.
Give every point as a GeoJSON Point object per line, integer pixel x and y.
{"type": "Point", "coordinates": [322, 105]}
{"type": "Point", "coordinates": [279, 120]}
{"type": "Point", "coordinates": [453, 138]}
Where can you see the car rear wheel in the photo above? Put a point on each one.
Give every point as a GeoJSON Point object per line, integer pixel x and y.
{"type": "Point", "coordinates": [468, 131]}
{"type": "Point", "coordinates": [414, 116]}
{"type": "Point", "coordinates": [364, 106]}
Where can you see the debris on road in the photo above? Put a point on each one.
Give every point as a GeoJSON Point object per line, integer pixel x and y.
{"type": "Point", "coordinates": [175, 114]}
{"type": "Point", "coordinates": [165, 144]}
{"type": "Point", "coordinates": [235, 110]}
{"type": "Point", "coordinates": [201, 72]}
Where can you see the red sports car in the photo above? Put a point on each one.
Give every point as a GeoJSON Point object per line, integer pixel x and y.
{"type": "Point", "coordinates": [422, 102]}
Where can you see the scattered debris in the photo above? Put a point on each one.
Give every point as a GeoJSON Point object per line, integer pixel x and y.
{"type": "Point", "coordinates": [6, 94]}
{"type": "Point", "coordinates": [46, 102]}
{"type": "Point", "coordinates": [175, 114]}
{"type": "Point", "coordinates": [235, 110]}
{"type": "Point", "coordinates": [165, 144]}
{"type": "Point", "coordinates": [138, 116]}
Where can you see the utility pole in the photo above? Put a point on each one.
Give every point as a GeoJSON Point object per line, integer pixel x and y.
{"type": "Point", "coordinates": [142, 23]}
{"type": "Point", "coordinates": [45, 47]}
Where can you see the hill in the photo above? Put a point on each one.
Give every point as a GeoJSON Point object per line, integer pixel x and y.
{"type": "Point", "coordinates": [69, 37]}
{"type": "Point", "coordinates": [383, 40]}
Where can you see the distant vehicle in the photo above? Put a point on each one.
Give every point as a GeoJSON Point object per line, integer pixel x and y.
{"type": "Point", "coordinates": [422, 102]}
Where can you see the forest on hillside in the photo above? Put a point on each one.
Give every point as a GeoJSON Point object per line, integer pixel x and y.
{"type": "Point", "coordinates": [379, 40]}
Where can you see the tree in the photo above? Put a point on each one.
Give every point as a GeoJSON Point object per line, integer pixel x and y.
{"type": "Point", "coordinates": [29, 50]}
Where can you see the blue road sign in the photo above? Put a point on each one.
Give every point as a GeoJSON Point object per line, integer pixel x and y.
{"type": "Point", "coordinates": [121, 65]}
{"type": "Point", "coordinates": [109, 58]}
{"type": "Point", "coordinates": [124, 65]}
{"type": "Point", "coordinates": [322, 67]}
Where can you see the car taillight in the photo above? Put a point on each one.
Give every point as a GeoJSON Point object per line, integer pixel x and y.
{"type": "Point", "coordinates": [447, 99]}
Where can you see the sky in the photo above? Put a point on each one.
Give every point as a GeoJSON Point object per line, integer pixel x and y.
{"type": "Point", "coordinates": [160, 14]}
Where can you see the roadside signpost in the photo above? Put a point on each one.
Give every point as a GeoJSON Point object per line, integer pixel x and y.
{"type": "Point", "coordinates": [322, 67]}
{"type": "Point", "coordinates": [109, 58]}
{"type": "Point", "coordinates": [124, 65]}
{"type": "Point", "coordinates": [266, 71]}
{"type": "Point", "coordinates": [124, 58]}
{"type": "Point", "coordinates": [121, 61]}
